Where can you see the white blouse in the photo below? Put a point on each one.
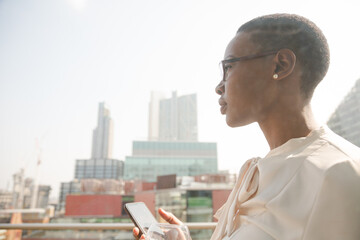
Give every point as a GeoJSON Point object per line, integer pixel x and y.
{"type": "Point", "coordinates": [308, 188]}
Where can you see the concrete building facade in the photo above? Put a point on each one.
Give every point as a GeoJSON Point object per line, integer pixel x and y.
{"type": "Point", "coordinates": [345, 120]}
{"type": "Point", "coordinates": [173, 119]}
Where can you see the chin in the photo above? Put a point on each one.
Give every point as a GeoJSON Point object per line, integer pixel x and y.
{"type": "Point", "coordinates": [233, 123]}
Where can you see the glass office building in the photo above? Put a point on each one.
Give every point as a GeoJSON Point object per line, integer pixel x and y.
{"type": "Point", "coordinates": [99, 169]}
{"type": "Point", "coordinates": [152, 158]}
{"type": "Point", "coordinates": [65, 189]}
{"type": "Point", "coordinates": [345, 121]}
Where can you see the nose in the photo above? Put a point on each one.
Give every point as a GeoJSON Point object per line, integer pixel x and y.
{"type": "Point", "coordinates": [219, 89]}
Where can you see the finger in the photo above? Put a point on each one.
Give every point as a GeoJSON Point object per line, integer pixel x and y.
{"type": "Point", "coordinates": [136, 232]}
{"type": "Point", "coordinates": [169, 217]}
{"type": "Point", "coordinates": [181, 235]}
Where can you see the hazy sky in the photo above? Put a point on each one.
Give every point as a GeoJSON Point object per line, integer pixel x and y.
{"type": "Point", "coordinates": [59, 59]}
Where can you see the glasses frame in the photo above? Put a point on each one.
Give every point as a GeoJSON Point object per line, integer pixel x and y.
{"type": "Point", "coordinates": [243, 58]}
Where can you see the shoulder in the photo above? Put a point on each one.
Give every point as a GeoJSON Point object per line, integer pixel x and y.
{"type": "Point", "coordinates": [334, 153]}
{"type": "Point", "coordinates": [341, 145]}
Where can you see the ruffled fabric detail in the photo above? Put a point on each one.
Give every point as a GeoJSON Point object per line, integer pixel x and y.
{"type": "Point", "coordinates": [245, 188]}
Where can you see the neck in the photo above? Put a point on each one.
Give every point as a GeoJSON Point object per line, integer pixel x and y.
{"type": "Point", "coordinates": [286, 124]}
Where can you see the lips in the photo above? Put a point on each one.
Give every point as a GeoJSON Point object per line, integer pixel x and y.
{"type": "Point", "coordinates": [223, 109]}
{"type": "Point", "coordinates": [223, 106]}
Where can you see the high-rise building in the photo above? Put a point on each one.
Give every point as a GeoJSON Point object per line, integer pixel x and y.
{"type": "Point", "coordinates": [103, 134]}
{"type": "Point", "coordinates": [345, 121]}
{"type": "Point", "coordinates": [100, 165]}
{"type": "Point", "coordinates": [154, 113]}
{"type": "Point", "coordinates": [173, 119]}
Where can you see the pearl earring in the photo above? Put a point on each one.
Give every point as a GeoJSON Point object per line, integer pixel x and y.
{"type": "Point", "coordinates": [275, 76]}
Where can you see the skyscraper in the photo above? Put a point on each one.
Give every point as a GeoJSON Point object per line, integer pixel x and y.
{"type": "Point", "coordinates": [100, 165]}
{"type": "Point", "coordinates": [103, 134]}
{"type": "Point", "coordinates": [173, 119]}
{"type": "Point", "coordinates": [154, 113]}
{"type": "Point", "coordinates": [345, 121]}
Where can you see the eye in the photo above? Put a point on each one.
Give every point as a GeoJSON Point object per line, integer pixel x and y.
{"type": "Point", "coordinates": [227, 66]}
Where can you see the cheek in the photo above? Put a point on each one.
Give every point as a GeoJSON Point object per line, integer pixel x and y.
{"type": "Point", "coordinates": [237, 98]}
{"type": "Point", "coordinates": [244, 96]}
{"type": "Point", "coordinates": [254, 85]}
{"type": "Point", "coordinates": [239, 91]}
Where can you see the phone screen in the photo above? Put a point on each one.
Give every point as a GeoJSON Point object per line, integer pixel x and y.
{"type": "Point", "coordinates": [140, 215]}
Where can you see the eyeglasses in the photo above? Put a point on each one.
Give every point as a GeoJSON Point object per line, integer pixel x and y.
{"type": "Point", "coordinates": [223, 67]}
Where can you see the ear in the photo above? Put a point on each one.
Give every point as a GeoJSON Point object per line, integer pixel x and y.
{"type": "Point", "coordinates": [285, 60]}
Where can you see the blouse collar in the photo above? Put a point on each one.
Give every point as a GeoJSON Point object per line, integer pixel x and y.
{"type": "Point", "coordinates": [295, 143]}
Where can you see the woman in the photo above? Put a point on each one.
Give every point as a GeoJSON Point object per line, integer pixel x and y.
{"type": "Point", "coordinates": [307, 186]}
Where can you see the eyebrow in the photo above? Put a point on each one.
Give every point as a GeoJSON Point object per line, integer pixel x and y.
{"type": "Point", "coordinates": [229, 57]}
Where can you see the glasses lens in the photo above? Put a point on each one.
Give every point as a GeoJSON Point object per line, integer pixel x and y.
{"type": "Point", "coordinates": [221, 68]}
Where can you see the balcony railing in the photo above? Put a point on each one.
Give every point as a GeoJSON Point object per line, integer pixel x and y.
{"type": "Point", "coordinates": [91, 226]}
{"type": "Point", "coordinates": [106, 231]}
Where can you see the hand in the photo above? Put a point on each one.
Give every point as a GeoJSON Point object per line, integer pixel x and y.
{"type": "Point", "coordinates": [167, 216]}
{"type": "Point", "coordinates": [136, 233]}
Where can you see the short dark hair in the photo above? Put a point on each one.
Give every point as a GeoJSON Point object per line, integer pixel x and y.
{"type": "Point", "coordinates": [303, 37]}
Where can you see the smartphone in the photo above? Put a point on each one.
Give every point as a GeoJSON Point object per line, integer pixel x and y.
{"type": "Point", "coordinates": [140, 215]}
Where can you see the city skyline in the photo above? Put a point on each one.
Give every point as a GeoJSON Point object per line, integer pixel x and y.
{"type": "Point", "coordinates": [172, 146]}
{"type": "Point", "coordinates": [60, 58]}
